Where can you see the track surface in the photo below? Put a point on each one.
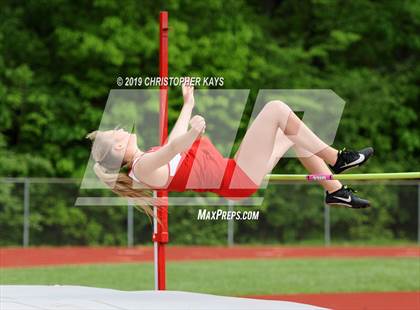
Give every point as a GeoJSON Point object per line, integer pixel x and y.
{"type": "Point", "coordinates": [31, 257]}
{"type": "Point", "coordinates": [354, 301]}
{"type": "Point", "coordinates": [43, 256]}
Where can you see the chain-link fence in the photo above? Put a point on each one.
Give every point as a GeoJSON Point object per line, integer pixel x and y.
{"type": "Point", "coordinates": [42, 211]}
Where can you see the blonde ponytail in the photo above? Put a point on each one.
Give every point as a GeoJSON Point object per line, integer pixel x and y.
{"type": "Point", "coordinates": [120, 183]}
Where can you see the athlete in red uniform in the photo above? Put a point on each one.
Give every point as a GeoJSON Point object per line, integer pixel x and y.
{"type": "Point", "coordinates": [203, 169]}
{"type": "Point", "coordinates": [189, 161]}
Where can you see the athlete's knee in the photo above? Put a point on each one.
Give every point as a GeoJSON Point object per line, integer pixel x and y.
{"type": "Point", "coordinates": [279, 109]}
{"type": "Point", "coordinates": [277, 106]}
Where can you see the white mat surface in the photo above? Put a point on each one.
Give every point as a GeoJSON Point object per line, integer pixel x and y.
{"type": "Point", "coordinates": [30, 297]}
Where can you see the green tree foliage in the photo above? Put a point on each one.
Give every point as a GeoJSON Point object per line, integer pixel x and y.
{"type": "Point", "coordinates": [59, 59]}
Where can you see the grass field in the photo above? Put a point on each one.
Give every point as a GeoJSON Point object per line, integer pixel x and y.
{"type": "Point", "coordinates": [239, 277]}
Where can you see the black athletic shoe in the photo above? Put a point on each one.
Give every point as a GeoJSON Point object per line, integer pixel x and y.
{"type": "Point", "coordinates": [350, 159]}
{"type": "Point", "coordinates": [345, 197]}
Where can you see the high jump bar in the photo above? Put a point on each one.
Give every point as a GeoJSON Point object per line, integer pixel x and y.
{"type": "Point", "coordinates": [352, 177]}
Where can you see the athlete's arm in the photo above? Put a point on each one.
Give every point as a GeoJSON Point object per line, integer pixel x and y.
{"type": "Point", "coordinates": [181, 124]}
{"type": "Point", "coordinates": [149, 162]}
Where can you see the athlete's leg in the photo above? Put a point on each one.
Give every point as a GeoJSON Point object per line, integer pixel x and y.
{"type": "Point", "coordinates": [309, 144]}
{"type": "Point", "coordinates": [255, 151]}
{"type": "Point", "coordinates": [281, 145]}
{"type": "Point", "coordinates": [313, 163]}
{"type": "Point", "coordinates": [256, 147]}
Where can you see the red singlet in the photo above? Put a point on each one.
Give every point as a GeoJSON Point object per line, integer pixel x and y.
{"type": "Point", "coordinates": [202, 168]}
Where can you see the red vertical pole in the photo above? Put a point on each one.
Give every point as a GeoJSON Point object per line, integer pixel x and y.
{"type": "Point", "coordinates": [161, 235]}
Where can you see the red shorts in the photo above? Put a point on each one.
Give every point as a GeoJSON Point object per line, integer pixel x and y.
{"type": "Point", "coordinates": [236, 184]}
{"type": "Point", "coordinates": [203, 168]}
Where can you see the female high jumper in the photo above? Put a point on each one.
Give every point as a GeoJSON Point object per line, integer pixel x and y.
{"type": "Point", "coordinates": [189, 161]}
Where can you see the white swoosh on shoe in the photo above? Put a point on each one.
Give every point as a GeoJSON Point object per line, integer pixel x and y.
{"type": "Point", "coordinates": [343, 199]}
{"type": "Point", "coordinates": [357, 161]}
